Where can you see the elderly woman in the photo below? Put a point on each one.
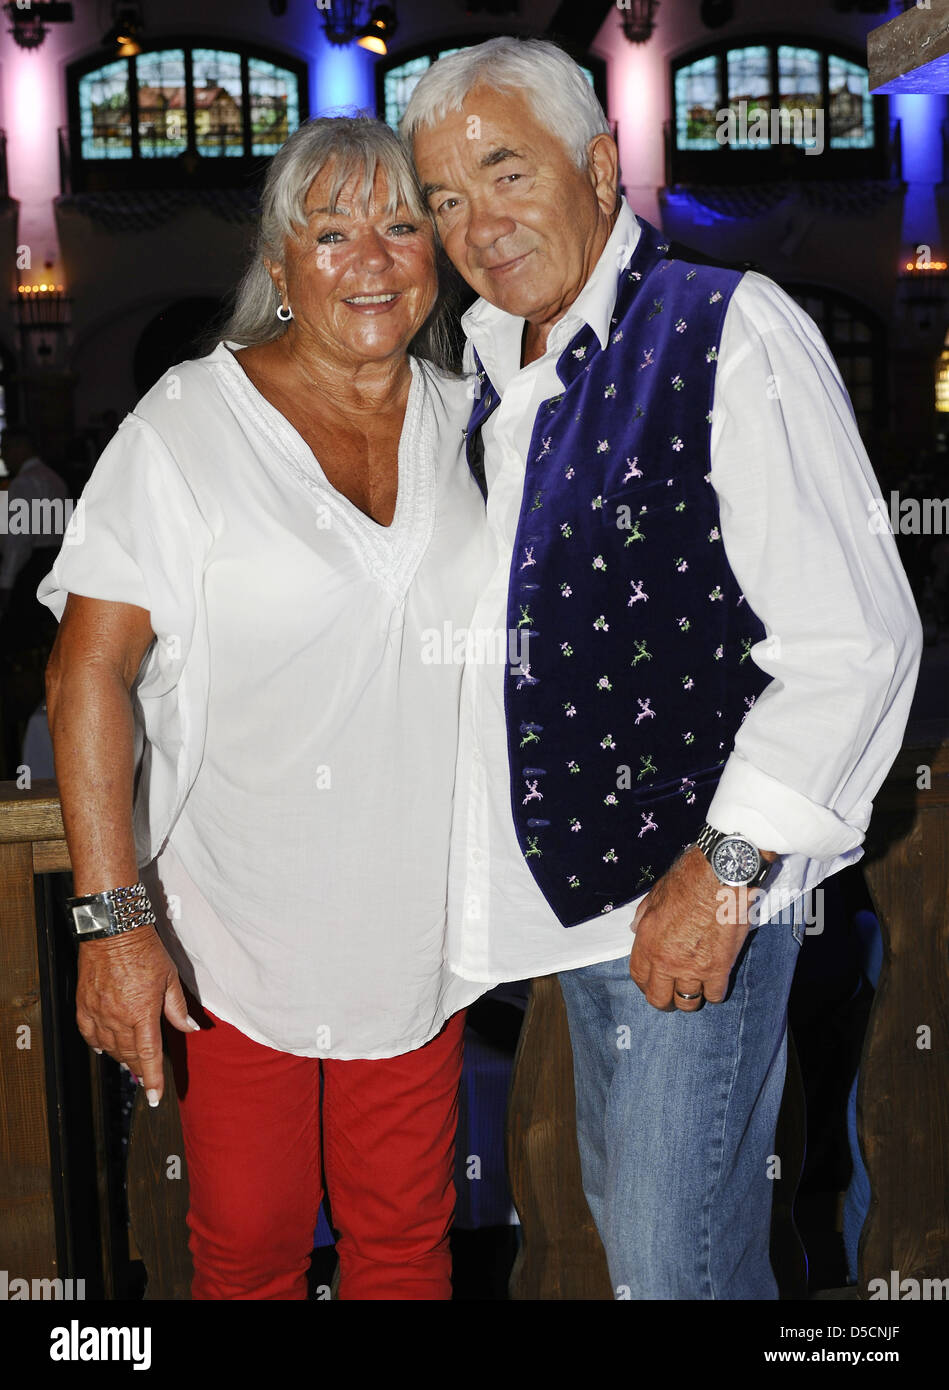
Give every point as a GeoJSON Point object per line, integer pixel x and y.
{"type": "Point", "coordinates": [269, 542]}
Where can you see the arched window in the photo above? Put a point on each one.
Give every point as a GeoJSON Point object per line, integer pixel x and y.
{"type": "Point", "coordinates": [158, 117]}
{"type": "Point", "coordinates": [396, 78]}
{"type": "Point", "coordinates": [769, 108]}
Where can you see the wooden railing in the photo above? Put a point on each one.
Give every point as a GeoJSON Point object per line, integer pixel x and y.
{"type": "Point", "coordinates": [903, 1098]}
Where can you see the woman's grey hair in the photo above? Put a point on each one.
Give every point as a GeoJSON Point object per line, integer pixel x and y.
{"type": "Point", "coordinates": [354, 145]}
{"type": "Point", "coordinates": [555, 88]}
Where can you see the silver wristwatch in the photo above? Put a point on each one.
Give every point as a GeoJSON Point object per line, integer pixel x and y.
{"type": "Point", "coordinates": [111, 913]}
{"type": "Point", "coordinates": [734, 860]}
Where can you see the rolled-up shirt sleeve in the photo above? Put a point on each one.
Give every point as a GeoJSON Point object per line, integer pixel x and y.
{"type": "Point", "coordinates": [802, 535]}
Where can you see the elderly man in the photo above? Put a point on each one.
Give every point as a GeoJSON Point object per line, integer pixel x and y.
{"type": "Point", "coordinates": [719, 667]}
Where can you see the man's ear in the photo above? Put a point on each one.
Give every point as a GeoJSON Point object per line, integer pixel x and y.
{"type": "Point", "coordinates": [603, 168]}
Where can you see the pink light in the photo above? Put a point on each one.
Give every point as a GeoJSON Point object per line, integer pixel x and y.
{"type": "Point", "coordinates": [32, 116]}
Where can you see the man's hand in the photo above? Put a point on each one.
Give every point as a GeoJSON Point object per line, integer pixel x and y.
{"type": "Point", "coordinates": [125, 984]}
{"type": "Point", "coordinates": [689, 930]}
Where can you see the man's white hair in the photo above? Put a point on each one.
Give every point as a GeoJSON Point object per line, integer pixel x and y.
{"type": "Point", "coordinates": [554, 87]}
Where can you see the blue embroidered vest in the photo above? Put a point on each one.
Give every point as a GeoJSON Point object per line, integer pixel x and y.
{"type": "Point", "coordinates": [635, 671]}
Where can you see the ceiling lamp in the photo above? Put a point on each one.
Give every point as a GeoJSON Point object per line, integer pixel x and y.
{"type": "Point", "coordinates": [127, 25]}
{"type": "Point", "coordinates": [29, 22]}
{"type": "Point", "coordinates": [344, 24]}
{"type": "Point", "coordinates": [639, 18]}
{"type": "Point", "coordinates": [383, 23]}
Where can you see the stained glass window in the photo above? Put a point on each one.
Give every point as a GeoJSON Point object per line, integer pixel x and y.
{"type": "Point", "coordinates": [398, 86]}
{"type": "Point", "coordinates": [218, 102]}
{"type": "Point", "coordinates": [749, 91]}
{"type": "Point", "coordinates": [274, 106]}
{"type": "Point", "coordinates": [801, 95]}
{"type": "Point", "coordinates": [851, 106]}
{"type": "Point", "coordinates": [823, 100]}
{"type": "Point", "coordinates": [105, 124]}
{"type": "Point", "coordinates": [697, 100]}
{"type": "Point", "coordinates": [162, 104]}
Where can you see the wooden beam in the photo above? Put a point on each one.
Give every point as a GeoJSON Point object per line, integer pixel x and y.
{"type": "Point", "coordinates": [30, 814]}
{"type": "Point", "coordinates": [911, 52]}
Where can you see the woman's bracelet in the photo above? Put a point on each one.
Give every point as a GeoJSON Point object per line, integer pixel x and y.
{"type": "Point", "coordinates": [110, 913]}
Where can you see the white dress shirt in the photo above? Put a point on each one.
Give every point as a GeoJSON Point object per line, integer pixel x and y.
{"type": "Point", "coordinates": [795, 490]}
{"type": "Point", "coordinates": [299, 708]}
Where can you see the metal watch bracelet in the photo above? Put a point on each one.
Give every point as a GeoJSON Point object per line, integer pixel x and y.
{"type": "Point", "coordinates": [111, 913]}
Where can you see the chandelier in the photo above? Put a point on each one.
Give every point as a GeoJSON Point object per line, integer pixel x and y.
{"type": "Point", "coordinates": [30, 21]}
{"type": "Point", "coordinates": [638, 18]}
{"type": "Point", "coordinates": [343, 23]}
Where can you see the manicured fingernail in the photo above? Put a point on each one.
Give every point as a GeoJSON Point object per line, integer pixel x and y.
{"type": "Point", "coordinates": [152, 1098]}
{"type": "Point", "coordinates": [195, 1027]}
{"type": "Point", "coordinates": [98, 1051]}
{"type": "Point", "coordinates": [123, 1066]}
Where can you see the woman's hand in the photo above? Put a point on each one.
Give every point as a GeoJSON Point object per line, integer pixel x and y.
{"type": "Point", "coordinates": [125, 982]}
{"type": "Point", "coordinates": [125, 985]}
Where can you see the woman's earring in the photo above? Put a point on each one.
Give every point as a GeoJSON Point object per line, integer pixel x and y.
{"type": "Point", "coordinates": [284, 314]}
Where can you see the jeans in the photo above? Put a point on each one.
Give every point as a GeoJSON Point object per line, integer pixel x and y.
{"type": "Point", "coordinates": [676, 1118]}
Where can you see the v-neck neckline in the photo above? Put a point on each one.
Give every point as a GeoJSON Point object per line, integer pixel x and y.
{"type": "Point", "coordinates": [391, 552]}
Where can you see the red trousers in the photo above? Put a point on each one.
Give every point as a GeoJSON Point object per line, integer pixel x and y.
{"type": "Point", "coordinates": [251, 1118]}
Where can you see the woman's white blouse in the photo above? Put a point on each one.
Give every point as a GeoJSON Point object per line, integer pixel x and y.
{"type": "Point", "coordinates": [298, 710]}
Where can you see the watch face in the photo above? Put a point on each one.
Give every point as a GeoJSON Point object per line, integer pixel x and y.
{"type": "Point", "coordinates": [736, 861]}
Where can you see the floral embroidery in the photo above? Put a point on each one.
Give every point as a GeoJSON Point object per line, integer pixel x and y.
{"type": "Point", "coordinates": [601, 624]}
{"type": "Point", "coordinates": [677, 383]}
{"type": "Point", "coordinates": [681, 325]}
{"type": "Point", "coordinates": [604, 683]}
{"type": "Point", "coordinates": [676, 442]}
{"type": "Point", "coordinates": [599, 563]}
